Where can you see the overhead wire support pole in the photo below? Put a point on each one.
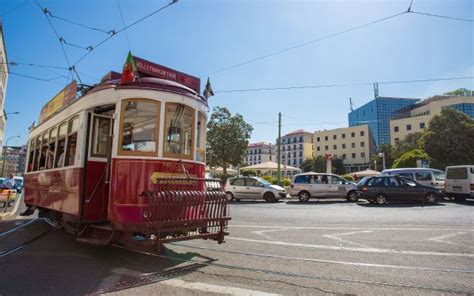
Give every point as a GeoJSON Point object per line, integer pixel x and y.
{"type": "Point", "coordinates": [279, 151]}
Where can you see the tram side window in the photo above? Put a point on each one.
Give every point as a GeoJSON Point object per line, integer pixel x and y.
{"type": "Point", "coordinates": [44, 151]}
{"type": "Point", "coordinates": [71, 150]}
{"type": "Point", "coordinates": [51, 148]}
{"type": "Point", "coordinates": [61, 145]}
{"type": "Point", "coordinates": [37, 153]}
{"type": "Point", "coordinates": [100, 136]}
{"type": "Point", "coordinates": [31, 156]}
{"type": "Point", "coordinates": [201, 138]}
{"type": "Point", "coordinates": [179, 131]}
{"type": "Point", "coordinates": [139, 127]}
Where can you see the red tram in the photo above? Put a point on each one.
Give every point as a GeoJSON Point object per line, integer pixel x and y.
{"type": "Point", "coordinates": [124, 162]}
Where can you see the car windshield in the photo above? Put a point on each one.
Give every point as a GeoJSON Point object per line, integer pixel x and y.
{"type": "Point", "coordinates": [363, 180]}
{"type": "Point", "coordinates": [264, 182]}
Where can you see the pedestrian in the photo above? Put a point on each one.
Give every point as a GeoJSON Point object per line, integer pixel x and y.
{"type": "Point", "coordinates": [10, 182]}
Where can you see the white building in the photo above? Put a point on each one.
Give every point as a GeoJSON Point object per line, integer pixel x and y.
{"type": "Point", "coordinates": [259, 153]}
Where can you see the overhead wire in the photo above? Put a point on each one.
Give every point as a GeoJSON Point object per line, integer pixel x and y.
{"type": "Point", "coordinates": [123, 24]}
{"type": "Point", "coordinates": [80, 24]}
{"type": "Point", "coordinates": [342, 85]}
{"type": "Point", "coordinates": [51, 80]}
{"type": "Point", "coordinates": [304, 44]}
{"type": "Point", "coordinates": [442, 16]}
{"type": "Point", "coordinates": [125, 28]}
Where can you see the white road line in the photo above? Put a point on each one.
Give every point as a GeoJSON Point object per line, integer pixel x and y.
{"type": "Point", "coordinates": [16, 228]}
{"type": "Point", "coordinates": [366, 250]}
{"type": "Point", "coordinates": [210, 288]}
{"type": "Point", "coordinates": [335, 236]}
{"type": "Point", "coordinates": [265, 231]}
{"type": "Point", "coordinates": [442, 239]}
{"type": "Point", "coordinates": [408, 228]}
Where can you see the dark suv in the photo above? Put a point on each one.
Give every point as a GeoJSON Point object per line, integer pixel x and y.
{"type": "Point", "coordinates": [382, 189]}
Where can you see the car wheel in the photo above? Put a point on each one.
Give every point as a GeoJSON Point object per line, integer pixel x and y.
{"type": "Point", "coordinates": [303, 196]}
{"type": "Point", "coordinates": [269, 197]}
{"type": "Point", "coordinates": [230, 196]}
{"type": "Point", "coordinates": [352, 196]}
{"type": "Point", "coordinates": [431, 198]}
{"type": "Point", "coordinates": [380, 199]}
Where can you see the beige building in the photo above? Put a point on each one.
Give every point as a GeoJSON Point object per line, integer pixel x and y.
{"type": "Point", "coordinates": [296, 147]}
{"type": "Point", "coordinates": [259, 153]}
{"type": "Point", "coordinates": [416, 119]}
{"type": "Point", "coordinates": [3, 85]}
{"type": "Point", "coordinates": [351, 144]}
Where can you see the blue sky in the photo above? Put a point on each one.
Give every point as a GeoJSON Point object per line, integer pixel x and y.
{"type": "Point", "coordinates": [199, 37]}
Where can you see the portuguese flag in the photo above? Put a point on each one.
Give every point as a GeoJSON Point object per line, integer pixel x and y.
{"type": "Point", "coordinates": [129, 70]}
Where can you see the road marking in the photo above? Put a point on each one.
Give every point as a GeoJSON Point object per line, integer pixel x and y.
{"type": "Point", "coordinates": [327, 261]}
{"type": "Point", "coordinates": [409, 228]}
{"type": "Point", "coordinates": [265, 231]}
{"type": "Point", "coordinates": [335, 236]}
{"type": "Point", "coordinates": [210, 288]}
{"type": "Point", "coordinates": [354, 249]}
{"type": "Point", "coordinates": [16, 228]}
{"type": "Point", "coordinates": [442, 239]}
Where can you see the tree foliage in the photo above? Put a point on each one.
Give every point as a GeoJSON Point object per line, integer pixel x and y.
{"type": "Point", "coordinates": [449, 139]}
{"type": "Point", "coordinates": [459, 92]}
{"type": "Point", "coordinates": [227, 138]}
{"type": "Point", "coordinates": [318, 165]}
{"type": "Point", "coordinates": [409, 158]}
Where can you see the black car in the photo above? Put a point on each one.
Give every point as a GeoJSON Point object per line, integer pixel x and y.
{"type": "Point", "coordinates": [382, 189]}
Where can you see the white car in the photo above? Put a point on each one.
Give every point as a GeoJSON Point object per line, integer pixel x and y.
{"type": "Point", "coordinates": [238, 188]}
{"type": "Point", "coordinates": [319, 185]}
{"type": "Point", "coordinates": [460, 181]}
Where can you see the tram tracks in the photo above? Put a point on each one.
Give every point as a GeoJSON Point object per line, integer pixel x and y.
{"type": "Point", "coordinates": [18, 246]}
{"type": "Point", "coordinates": [308, 276]}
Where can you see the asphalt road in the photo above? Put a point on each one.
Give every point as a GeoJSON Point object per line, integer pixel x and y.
{"type": "Point", "coordinates": [287, 248]}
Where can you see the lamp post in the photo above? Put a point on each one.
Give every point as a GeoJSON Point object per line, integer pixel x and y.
{"type": "Point", "coordinates": [382, 154]}
{"type": "Point", "coordinates": [3, 152]}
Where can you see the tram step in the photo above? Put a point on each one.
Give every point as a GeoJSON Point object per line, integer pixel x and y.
{"type": "Point", "coordinates": [99, 235]}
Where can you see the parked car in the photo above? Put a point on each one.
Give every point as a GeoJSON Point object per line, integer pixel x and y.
{"type": "Point", "coordinates": [460, 182]}
{"type": "Point", "coordinates": [238, 188]}
{"type": "Point", "coordinates": [382, 189]}
{"type": "Point", "coordinates": [426, 176]}
{"type": "Point", "coordinates": [319, 185]}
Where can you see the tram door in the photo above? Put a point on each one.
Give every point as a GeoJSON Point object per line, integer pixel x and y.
{"type": "Point", "coordinates": [97, 165]}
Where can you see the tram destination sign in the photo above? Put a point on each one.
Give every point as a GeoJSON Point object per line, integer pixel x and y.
{"type": "Point", "coordinates": [59, 102]}
{"type": "Point", "coordinates": [159, 71]}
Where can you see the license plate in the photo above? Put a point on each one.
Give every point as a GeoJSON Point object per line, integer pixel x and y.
{"type": "Point", "coordinates": [457, 188]}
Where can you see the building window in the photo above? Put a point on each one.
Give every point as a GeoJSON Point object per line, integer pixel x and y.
{"type": "Point", "coordinates": [334, 137]}
{"type": "Point", "coordinates": [362, 133]}
{"type": "Point", "coordinates": [301, 161]}
{"type": "Point", "coordinates": [270, 158]}
{"type": "Point", "coordinates": [397, 139]}
{"type": "Point", "coordinates": [289, 147]}
{"type": "Point", "coordinates": [326, 138]}
{"type": "Point", "coordinates": [395, 128]}
{"type": "Point", "coordinates": [408, 127]}
{"type": "Point", "coordinates": [362, 154]}
{"type": "Point", "coordinates": [301, 146]}
{"type": "Point", "coordinates": [343, 146]}
{"type": "Point", "coordinates": [139, 132]}
{"type": "Point", "coordinates": [344, 156]}
{"type": "Point", "coordinates": [353, 145]}
{"type": "Point", "coordinates": [326, 148]}
{"type": "Point", "coordinates": [283, 142]}
{"type": "Point", "coordinates": [422, 125]}
{"type": "Point", "coordinates": [362, 144]}
{"type": "Point", "coordinates": [318, 139]}
{"type": "Point", "coordinates": [334, 147]}
{"type": "Point", "coordinates": [294, 161]}
{"type": "Point", "coordinates": [318, 148]}
{"type": "Point", "coordinates": [301, 139]}
{"type": "Point", "coordinates": [301, 153]}
{"type": "Point", "coordinates": [353, 155]}
{"type": "Point", "coordinates": [353, 134]}
{"type": "Point", "coordinates": [289, 154]}
{"type": "Point", "coordinates": [343, 136]}
{"type": "Point", "coordinates": [288, 162]}
{"type": "Point", "coordinates": [294, 147]}
{"type": "Point", "coordinates": [283, 148]}
{"type": "Point", "coordinates": [294, 140]}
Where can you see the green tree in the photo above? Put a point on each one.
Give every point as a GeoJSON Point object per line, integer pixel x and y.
{"type": "Point", "coordinates": [319, 164]}
{"type": "Point", "coordinates": [449, 139]}
{"type": "Point", "coordinates": [227, 138]}
{"type": "Point", "coordinates": [338, 166]}
{"type": "Point", "coordinates": [459, 92]}
{"type": "Point", "coordinates": [409, 158]}
{"type": "Point", "coordinates": [307, 165]}
{"type": "Point", "coordinates": [410, 142]}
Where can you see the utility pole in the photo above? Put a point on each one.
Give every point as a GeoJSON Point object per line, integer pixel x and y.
{"type": "Point", "coordinates": [279, 151]}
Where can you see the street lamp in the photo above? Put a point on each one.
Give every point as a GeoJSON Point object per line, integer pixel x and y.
{"type": "Point", "coordinates": [382, 154]}
{"type": "Point", "coordinates": [3, 152]}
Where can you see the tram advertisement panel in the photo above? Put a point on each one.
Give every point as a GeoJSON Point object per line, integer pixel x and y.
{"type": "Point", "coordinates": [62, 99]}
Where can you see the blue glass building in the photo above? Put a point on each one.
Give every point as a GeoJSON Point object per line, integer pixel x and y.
{"type": "Point", "coordinates": [467, 108]}
{"type": "Point", "coordinates": [377, 115]}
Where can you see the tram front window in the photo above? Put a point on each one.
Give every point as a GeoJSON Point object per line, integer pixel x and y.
{"type": "Point", "coordinates": [139, 127]}
{"type": "Point", "coordinates": [179, 129]}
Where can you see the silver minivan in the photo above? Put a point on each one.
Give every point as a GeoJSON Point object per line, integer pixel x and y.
{"type": "Point", "coordinates": [238, 188]}
{"type": "Point", "coordinates": [426, 176]}
{"type": "Point", "coordinates": [320, 185]}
